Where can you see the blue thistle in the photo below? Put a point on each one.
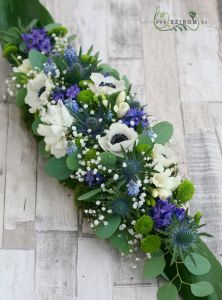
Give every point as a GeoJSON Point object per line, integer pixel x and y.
{"type": "Point", "coordinates": [120, 207]}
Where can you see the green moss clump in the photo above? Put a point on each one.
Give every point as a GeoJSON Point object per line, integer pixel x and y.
{"type": "Point", "coordinates": [86, 97]}
{"type": "Point", "coordinates": [144, 225]}
{"type": "Point", "coordinates": [8, 51]}
{"type": "Point", "coordinates": [83, 84]}
{"type": "Point", "coordinates": [59, 31]}
{"type": "Point", "coordinates": [185, 191]}
{"type": "Point", "coordinates": [151, 244]}
{"type": "Point", "coordinates": [91, 154]}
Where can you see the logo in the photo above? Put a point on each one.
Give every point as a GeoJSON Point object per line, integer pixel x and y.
{"type": "Point", "coordinates": [163, 22]}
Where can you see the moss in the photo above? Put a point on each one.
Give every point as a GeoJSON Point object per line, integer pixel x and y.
{"type": "Point", "coordinates": [144, 225]}
{"type": "Point", "coordinates": [86, 97]}
{"type": "Point", "coordinates": [151, 244]}
{"type": "Point", "coordinates": [9, 51]}
{"type": "Point", "coordinates": [59, 31]}
{"type": "Point", "coordinates": [83, 84]}
{"type": "Point", "coordinates": [185, 191]}
{"type": "Point", "coordinates": [91, 154]}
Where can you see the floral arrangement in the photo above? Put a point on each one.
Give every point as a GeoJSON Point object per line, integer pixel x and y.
{"type": "Point", "coordinates": [100, 142]}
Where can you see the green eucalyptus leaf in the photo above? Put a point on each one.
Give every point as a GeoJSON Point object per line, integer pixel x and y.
{"type": "Point", "coordinates": [105, 68]}
{"type": "Point", "coordinates": [88, 195]}
{"type": "Point", "coordinates": [106, 231]}
{"type": "Point", "coordinates": [154, 266]}
{"type": "Point", "coordinates": [37, 59]}
{"type": "Point", "coordinates": [108, 159]}
{"type": "Point", "coordinates": [73, 161]}
{"type": "Point", "coordinates": [35, 125]}
{"type": "Point", "coordinates": [167, 292]}
{"type": "Point", "coordinates": [56, 167]}
{"type": "Point", "coordinates": [202, 289]}
{"type": "Point", "coordinates": [20, 97]}
{"type": "Point", "coordinates": [144, 140]}
{"type": "Point", "coordinates": [51, 26]}
{"type": "Point", "coordinates": [164, 131]}
{"type": "Point", "coordinates": [42, 151]}
{"type": "Point", "coordinates": [119, 240]}
{"type": "Point", "coordinates": [197, 265]}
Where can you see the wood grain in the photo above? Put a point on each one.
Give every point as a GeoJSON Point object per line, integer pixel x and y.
{"type": "Point", "coordinates": [134, 293]}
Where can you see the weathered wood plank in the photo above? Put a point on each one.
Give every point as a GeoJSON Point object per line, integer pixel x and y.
{"type": "Point", "coordinates": [3, 139]}
{"type": "Point", "coordinates": [4, 67]}
{"type": "Point", "coordinates": [162, 87]}
{"type": "Point", "coordinates": [134, 71]}
{"type": "Point", "coordinates": [21, 172]}
{"type": "Point", "coordinates": [55, 266]}
{"type": "Point", "coordinates": [199, 65]}
{"type": "Point", "coordinates": [215, 113]}
{"type": "Point", "coordinates": [94, 268]}
{"type": "Point", "coordinates": [55, 207]}
{"type": "Point", "coordinates": [17, 274]}
{"type": "Point", "coordinates": [23, 237]}
{"type": "Point", "coordinates": [148, 9]}
{"type": "Point", "coordinates": [195, 116]}
{"type": "Point", "coordinates": [125, 274]}
{"type": "Point", "coordinates": [124, 30]}
{"type": "Point", "coordinates": [134, 293]}
{"type": "Point", "coordinates": [205, 168]}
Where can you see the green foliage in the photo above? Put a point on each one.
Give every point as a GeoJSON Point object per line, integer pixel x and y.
{"type": "Point", "coordinates": [185, 191]}
{"type": "Point", "coordinates": [197, 217]}
{"type": "Point", "coordinates": [56, 167]}
{"type": "Point", "coordinates": [106, 69]}
{"type": "Point", "coordinates": [119, 240]}
{"type": "Point", "coordinates": [26, 116]}
{"type": "Point", "coordinates": [167, 291]}
{"type": "Point", "coordinates": [164, 131]}
{"type": "Point", "coordinates": [83, 84]}
{"type": "Point", "coordinates": [35, 125]}
{"type": "Point", "coordinates": [106, 231]}
{"type": "Point", "coordinates": [56, 29]}
{"type": "Point", "coordinates": [151, 244]}
{"type": "Point", "coordinates": [86, 97]}
{"type": "Point", "coordinates": [74, 73]}
{"type": "Point", "coordinates": [20, 97]}
{"type": "Point", "coordinates": [21, 78]}
{"type": "Point", "coordinates": [73, 162]}
{"type": "Point", "coordinates": [202, 289]}
{"type": "Point", "coordinates": [86, 58]}
{"type": "Point", "coordinates": [144, 225]}
{"type": "Point", "coordinates": [197, 264]}
{"type": "Point", "coordinates": [37, 59]}
{"type": "Point", "coordinates": [42, 151]}
{"type": "Point", "coordinates": [108, 159]}
{"type": "Point", "coordinates": [154, 266]}
{"type": "Point", "coordinates": [89, 195]}
{"type": "Point", "coordinates": [9, 51]}
{"type": "Point", "coordinates": [91, 154]}
{"type": "Point", "coordinates": [145, 140]}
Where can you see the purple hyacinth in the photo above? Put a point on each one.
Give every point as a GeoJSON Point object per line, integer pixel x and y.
{"type": "Point", "coordinates": [72, 91]}
{"type": "Point", "coordinates": [134, 117]}
{"type": "Point", "coordinates": [58, 94]}
{"type": "Point", "coordinates": [37, 39]}
{"type": "Point", "coordinates": [93, 179]}
{"type": "Point", "coordinates": [163, 213]}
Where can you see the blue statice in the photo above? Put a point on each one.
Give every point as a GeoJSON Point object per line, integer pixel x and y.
{"type": "Point", "coordinates": [70, 55]}
{"type": "Point", "coordinates": [134, 117]}
{"type": "Point", "coordinates": [58, 94]}
{"type": "Point", "coordinates": [93, 179]}
{"type": "Point", "coordinates": [72, 105]}
{"type": "Point", "coordinates": [37, 39]}
{"type": "Point", "coordinates": [50, 68]}
{"type": "Point", "coordinates": [71, 149]}
{"type": "Point", "coordinates": [163, 213]}
{"type": "Point", "coordinates": [72, 91]}
{"type": "Point", "coordinates": [133, 188]}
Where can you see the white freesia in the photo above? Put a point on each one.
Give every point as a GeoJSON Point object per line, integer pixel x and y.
{"type": "Point", "coordinates": [105, 85]}
{"type": "Point", "coordinates": [165, 183]}
{"type": "Point", "coordinates": [58, 120]}
{"type": "Point", "coordinates": [25, 67]}
{"type": "Point", "coordinates": [38, 90]}
{"type": "Point", "coordinates": [119, 135]}
{"type": "Point", "coordinates": [121, 107]}
{"type": "Point", "coordinates": [163, 155]}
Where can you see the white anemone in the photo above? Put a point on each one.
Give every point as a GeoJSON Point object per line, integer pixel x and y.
{"type": "Point", "coordinates": [25, 67]}
{"type": "Point", "coordinates": [58, 120]}
{"type": "Point", "coordinates": [119, 135]}
{"type": "Point", "coordinates": [163, 155]}
{"type": "Point", "coordinates": [105, 85]}
{"type": "Point", "coordinates": [38, 90]}
{"type": "Point", "coordinates": [121, 107]}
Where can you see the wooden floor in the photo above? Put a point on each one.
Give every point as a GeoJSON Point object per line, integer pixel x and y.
{"type": "Point", "coordinates": [47, 251]}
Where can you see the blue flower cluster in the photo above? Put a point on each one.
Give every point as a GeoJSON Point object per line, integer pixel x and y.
{"type": "Point", "coordinates": [37, 39]}
{"type": "Point", "coordinates": [163, 213]}
{"type": "Point", "coordinates": [93, 179]}
{"type": "Point", "coordinates": [134, 117]}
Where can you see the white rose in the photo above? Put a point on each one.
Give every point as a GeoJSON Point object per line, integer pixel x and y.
{"type": "Point", "coordinates": [58, 120]}
{"type": "Point", "coordinates": [38, 90]}
{"type": "Point", "coordinates": [165, 183]}
{"type": "Point", "coordinates": [163, 155]}
{"type": "Point", "coordinates": [25, 67]}
{"type": "Point", "coordinates": [119, 135]}
{"type": "Point", "coordinates": [121, 107]}
{"type": "Point", "coordinates": [106, 85]}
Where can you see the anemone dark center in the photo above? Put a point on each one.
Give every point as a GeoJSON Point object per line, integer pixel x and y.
{"type": "Point", "coordinates": [109, 84]}
{"type": "Point", "coordinates": [118, 138]}
{"type": "Point", "coordinates": [41, 91]}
